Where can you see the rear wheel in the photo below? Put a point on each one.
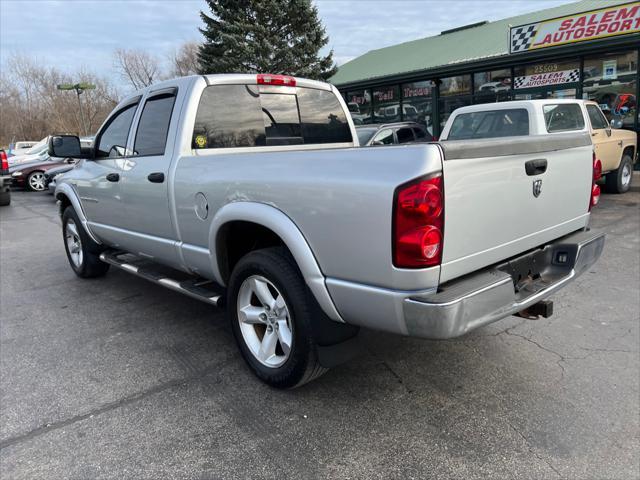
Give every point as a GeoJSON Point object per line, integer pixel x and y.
{"type": "Point", "coordinates": [619, 181]}
{"type": "Point", "coordinates": [35, 181]}
{"type": "Point", "coordinates": [82, 252]}
{"type": "Point", "coordinates": [270, 310]}
{"type": "Point", "coordinates": [5, 198]}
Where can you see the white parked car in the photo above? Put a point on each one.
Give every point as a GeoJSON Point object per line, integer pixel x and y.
{"type": "Point", "coordinates": [34, 154]}
{"type": "Point", "coordinates": [38, 152]}
{"type": "Point", "coordinates": [20, 148]}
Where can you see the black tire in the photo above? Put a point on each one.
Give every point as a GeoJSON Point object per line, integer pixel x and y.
{"type": "Point", "coordinates": [90, 266]}
{"type": "Point", "coordinates": [5, 198]}
{"type": "Point", "coordinates": [278, 267]}
{"type": "Point", "coordinates": [28, 182]}
{"type": "Point", "coordinates": [619, 181]}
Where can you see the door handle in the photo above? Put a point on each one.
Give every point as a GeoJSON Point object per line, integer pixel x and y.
{"type": "Point", "coordinates": [113, 177]}
{"type": "Point", "coordinates": [536, 167]}
{"type": "Point", "coordinates": [156, 177]}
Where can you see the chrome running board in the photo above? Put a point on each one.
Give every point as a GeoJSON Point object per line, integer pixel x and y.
{"type": "Point", "coordinates": [196, 287]}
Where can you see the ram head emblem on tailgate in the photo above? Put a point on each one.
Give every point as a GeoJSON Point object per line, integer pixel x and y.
{"type": "Point", "coordinates": [537, 188]}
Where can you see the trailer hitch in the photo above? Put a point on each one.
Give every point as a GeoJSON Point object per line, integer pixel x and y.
{"type": "Point", "coordinates": [543, 308]}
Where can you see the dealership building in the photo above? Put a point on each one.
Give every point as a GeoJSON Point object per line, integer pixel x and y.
{"type": "Point", "coordinates": [587, 49]}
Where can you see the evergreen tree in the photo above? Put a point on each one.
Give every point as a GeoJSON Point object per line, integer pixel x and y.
{"type": "Point", "coordinates": [264, 36]}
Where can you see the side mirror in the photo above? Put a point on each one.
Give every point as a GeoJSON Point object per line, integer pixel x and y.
{"type": "Point", "coordinates": [65, 146]}
{"type": "Point", "coordinates": [377, 142]}
{"type": "Point", "coordinates": [616, 123]}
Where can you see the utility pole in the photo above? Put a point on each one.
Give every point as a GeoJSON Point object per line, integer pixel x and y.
{"type": "Point", "coordinates": [79, 88]}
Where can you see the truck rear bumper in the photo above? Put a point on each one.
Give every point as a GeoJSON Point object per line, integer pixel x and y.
{"type": "Point", "coordinates": [486, 296]}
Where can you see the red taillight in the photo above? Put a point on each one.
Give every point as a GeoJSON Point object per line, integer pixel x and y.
{"type": "Point", "coordinates": [4, 160]}
{"type": "Point", "coordinates": [268, 79]}
{"type": "Point", "coordinates": [418, 224]}
{"type": "Point", "coordinates": [595, 196]}
{"type": "Point", "coordinates": [595, 189]}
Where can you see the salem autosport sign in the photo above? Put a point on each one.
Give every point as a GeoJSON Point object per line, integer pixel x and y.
{"type": "Point", "coordinates": [548, 78]}
{"type": "Point", "coordinates": [607, 22]}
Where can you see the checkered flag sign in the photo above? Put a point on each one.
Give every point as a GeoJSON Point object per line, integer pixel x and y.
{"type": "Point", "coordinates": [574, 76]}
{"type": "Point", "coordinates": [518, 82]}
{"type": "Point", "coordinates": [521, 37]}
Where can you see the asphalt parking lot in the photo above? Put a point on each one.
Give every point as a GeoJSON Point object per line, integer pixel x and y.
{"type": "Point", "coordinates": [119, 378]}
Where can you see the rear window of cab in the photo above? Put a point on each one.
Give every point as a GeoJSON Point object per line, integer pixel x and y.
{"type": "Point", "coordinates": [490, 124]}
{"type": "Point", "coordinates": [232, 116]}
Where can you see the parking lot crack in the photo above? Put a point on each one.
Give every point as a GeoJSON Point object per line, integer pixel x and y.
{"type": "Point", "coordinates": [532, 451]}
{"type": "Point", "coordinates": [128, 400]}
{"type": "Point", "coordinates": [560, 358]}
{"type": "Point", "coordinates": [609, 350]}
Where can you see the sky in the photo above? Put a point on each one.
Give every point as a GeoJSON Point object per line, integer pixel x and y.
{"type": "Point", "coordinates": [76, 34]}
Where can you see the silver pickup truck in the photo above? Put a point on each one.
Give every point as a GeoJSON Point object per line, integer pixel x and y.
{"type": "Point", "coordinates": [248, 191]}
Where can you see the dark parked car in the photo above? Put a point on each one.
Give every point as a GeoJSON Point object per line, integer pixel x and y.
{"type": "Point", "coordinates": [392, 133]}
{"type": "Point", "coordinates": [51, 174]}
{"type": "Point", "coordinates": [31, 175]}
{"type": "Point", "coordinates": [5, 180]}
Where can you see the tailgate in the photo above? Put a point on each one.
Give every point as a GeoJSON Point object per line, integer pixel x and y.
{"type": "Point", "coordinates": [495, 208]}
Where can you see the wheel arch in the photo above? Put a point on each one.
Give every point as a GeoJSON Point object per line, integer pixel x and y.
{"type": "Point", "coordinates": [631, 151]}
{"type": "Point", "coordinates": [270, 227]}
{"type": "Point", "coordinates": [66, 196]}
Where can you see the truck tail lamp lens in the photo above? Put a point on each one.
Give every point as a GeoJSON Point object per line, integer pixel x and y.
{"type": "Point", "coordinates": [595, 188]}
{"type": "Point", "coordinates": [268, 79]}
{"type": "Point", "coordinates": [418, 224]}
{"type": "Point", "coordinates": [4, 165]}
{"type": "Point", "coordinates": [597, 169]}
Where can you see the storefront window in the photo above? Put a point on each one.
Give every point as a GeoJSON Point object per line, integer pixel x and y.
{"type": "Point", "coordinates": [386, 104]}
{"type": "Point", "coordinates": [494, 86]}
{"type": "Point", "coordinates": [359, 104]}
{"type": "Point", "coordinates": [448, 104]}
{"type": "Point", "coordinates": [537, 94]}
{"type": "Point", "coordinates": [417, 103]}
{"type": "Point", "coordinates": [547, 80]}
{"type": "Point", "coordinates": [455, 85]}
{"type": "Point", "coordinates": [610, 80]}
{"type": "Point", "coordinates": [454, 93]}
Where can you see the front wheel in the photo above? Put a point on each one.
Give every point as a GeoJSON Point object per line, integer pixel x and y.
{"type": "Point", "coordinates": [270, 310]}
{"type": "Point", "coordinates": [619, 181]}
{"type": "Point", "coordinates": [82, 252]}
{"type": "Point", "coordinates": [35, 181]}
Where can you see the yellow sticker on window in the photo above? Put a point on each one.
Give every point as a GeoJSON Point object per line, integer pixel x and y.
{"type": "Point", "coordinates": [201, 141]}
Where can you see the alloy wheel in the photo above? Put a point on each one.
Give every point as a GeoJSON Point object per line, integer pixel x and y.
{"type": "Point", "coordinates": [265, 321]}
{"type": "Point", "coordinates": [626, 174]}
{"type": "Point", "coordinates": [74, 244]}
{"type": "Point", "coordinates": [36, 181]}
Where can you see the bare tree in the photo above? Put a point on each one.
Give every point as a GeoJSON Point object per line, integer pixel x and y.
{"type": "Point", "coordinates": [31, 106]}
{"type": "Point", "coordinates": [184, 61]}
{"type": "Point", "coordinates": [137, 67]}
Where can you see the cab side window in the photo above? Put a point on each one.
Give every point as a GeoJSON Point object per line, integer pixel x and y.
{"type": "Point", "coordinates": [596, 117]}
{"type": "Point", "coordinates": [113, 139]}
{"type": "Point", "coordinates": [405, 135]}
{"type": "Point", "coordinates": [153, 127]}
